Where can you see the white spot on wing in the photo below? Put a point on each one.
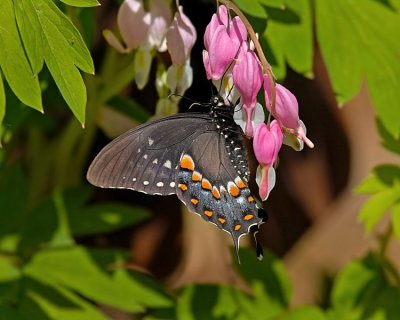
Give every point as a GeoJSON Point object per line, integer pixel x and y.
{"type": "Point", "coordinates": [160, 184]}
{"type": "Point", "coordinates": [145, 182]}
{"type": "Point", "coordinates": [138, 150]}
{"type": "Point", "coordinates": [167, 164]}
{"type": "Point", "coordinates": [145, 156]}
{"type": "Point", "coordinates": [134, 179]}
{"type": "Point", "coordinates": [151, 141]}
{"type": "Point", "coordinates": [155, 161]}
{"type": "Point", "coordinates": [172, 184]}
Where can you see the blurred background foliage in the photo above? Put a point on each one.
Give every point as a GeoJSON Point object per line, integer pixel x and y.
{"type": "Point", "coordinates": [66, 249]}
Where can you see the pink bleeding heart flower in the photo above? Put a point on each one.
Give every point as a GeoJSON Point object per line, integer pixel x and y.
{"type": "Point", "coordinates": [267, 143]}
{"type": "Point", "coordinates": [161, 17]}
{"type": "Point", "coordinates": [222, 41]}
{"type": "Point", "coordinates": [248, 78]}
{"type": "Point", "coordinates": [218, 19]}
{"type": "Point", "coordinates": [181, 37]}
{"type": "Point", "coordinates": [133, 22]}
{"type": "Point", "coordinates": [287, 113]}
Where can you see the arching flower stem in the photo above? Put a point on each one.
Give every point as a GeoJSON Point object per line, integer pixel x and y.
{"type": "Point", "coordinates": [266, 67]}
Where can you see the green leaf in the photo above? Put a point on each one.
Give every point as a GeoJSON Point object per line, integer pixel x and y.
{"type": "Point", "coordinates": [2, 102]}
{"type": "Point", "coordinates": [104, 218]}
{"type": "Point", "coordinates": [270, 283]}
{"type": "Point", "coordinates": [46, 225]}
{"type": "Point", "coordinates": [208, 302]}
{"type": "Point", "coordinates": [29, 29]}
{"type": "Point", "coordinates": [383, 177]}
{"type": "Point", "coordinates": [346, 28]}
{"type": "Point", "coordinates": [8, 271]}
{"type": "Point", "coordinates": [390, 141]}
{"type": "Point", "coordinates": [355, 285]}
{"type": "Point", "coordinates": [62, 48]}
{"type": "Point", "coordinates": [303, 313]}
{"type": "Point", "coordinates": [13, 62]}
{"type": "Point", "coordinates": [51, 302]}
{"type": "Point", "coordinates": [252, 8]}
{"type": "Point", "coordinates": [74, 269]}
{"type": "Point", "coordinates": [9, 313]}
{"type": "Point", "coordinates": [290, 38]}
{"type": "Point", "coordinates": [13, 195]}
{"type": "Point", "coordinates": [273, 3]}
{"type": "Point", "coordinates": [395, 219]}
{"type": "Point", "coordinates": [82, 3]}
{"type": "Point", "coordinates": [376, 206]}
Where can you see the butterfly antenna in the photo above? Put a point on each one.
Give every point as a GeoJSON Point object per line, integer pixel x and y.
{"type": "Point", "coordinates": [183, 97]}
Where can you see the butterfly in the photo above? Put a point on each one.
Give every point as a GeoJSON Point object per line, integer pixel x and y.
{"type": "Point", "coordinates": [199, 156]}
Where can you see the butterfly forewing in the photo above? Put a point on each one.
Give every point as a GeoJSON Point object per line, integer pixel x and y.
{"type": "Point", "coordinates": [145, 158]}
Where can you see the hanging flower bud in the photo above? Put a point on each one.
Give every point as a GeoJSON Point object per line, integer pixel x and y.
{"type": "Point", "coordinates": [222, 41]}
{"type": "Point", "coordinates": [133, 23]}
{"type": "Point", "coordinates": [179, 78]}
{"type": "Point", "coordinates": [267, 143]}
{"type": "Point", "coordinates": [248, 78]}
{"type": "Point", "coordinates": [161, 16]}
{"type": "Point", "coordinates": [287, 113]}
{"type": "Point", "coordinates": [181, 37]}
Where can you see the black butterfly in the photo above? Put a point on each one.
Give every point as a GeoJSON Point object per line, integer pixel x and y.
{"type": "Point", "coordinates": [200, 157]}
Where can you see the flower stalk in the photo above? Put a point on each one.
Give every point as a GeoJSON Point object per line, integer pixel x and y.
{"type": "Point", "coordinates": [266, 67]}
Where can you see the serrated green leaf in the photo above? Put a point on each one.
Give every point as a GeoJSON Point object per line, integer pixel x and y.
{"type": "Point", "coordinates": [252, 8]}
{"type": "Point", "coordinates": [389, 141]}
{"type": "Point", "coordinates": [29, 29]}
{"type": "Point", "coordinates": [2, 102]}
{"type": "Point", "coordinates": [370, 185]}
{"type": "Point", "coordinates": [303, 313]}
{"type": "Point", "coordinates": [395, 219]}
{"type": "Point", "coordinates": [82, 3]}
{"type": "Point", "coordinates": [63, 51]}
{"type": "Point", "coordinates": [13, 62]}
{"type": "Point", "coordinates": [376, 206]}
{"type": "Point", "coordinates": [73, 268]}
{"type": "Point", "coordinates": [290, 37]}
{"type": "Point", "coordinates": [344, 29]}
{"type": "Point", "coordinates": [383, 177]}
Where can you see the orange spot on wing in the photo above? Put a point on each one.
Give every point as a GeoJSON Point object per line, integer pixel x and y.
{"type": "Point", "coordinates": [237, 227]}
{"type": "Point", "coordinates": [248, 217]}
{"type": "Point", "coordinates": [215, 193]}
{"type": "Point", "coordinates": [223, 190]}
{"type": "Point", "coordinates": [205, 184]}
{"type": "Point", "coordinates": [194, 201]}
{"type": "Point", "coordinates": [208, 213]}
{"type": "Point", "coordinates": [187, 162]}
{"type": "Point", "coordinates": [240, 183]}
{"type": "Point", "coordinates": [233, 189]}
{"type": "Point", "coordinates": [250, 199]}
{"type": "Point", "coordinates": [196, 176]}
{"type": "Point", "coordinates": [182, 186]}
{"type": "Point", "coordinates": [221, 220]}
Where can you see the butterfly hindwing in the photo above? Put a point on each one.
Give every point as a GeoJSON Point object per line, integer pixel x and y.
{"type": "Point", "coordinates": [145, 158]}
{"type": "Point", "coordinates": [209, 185]}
